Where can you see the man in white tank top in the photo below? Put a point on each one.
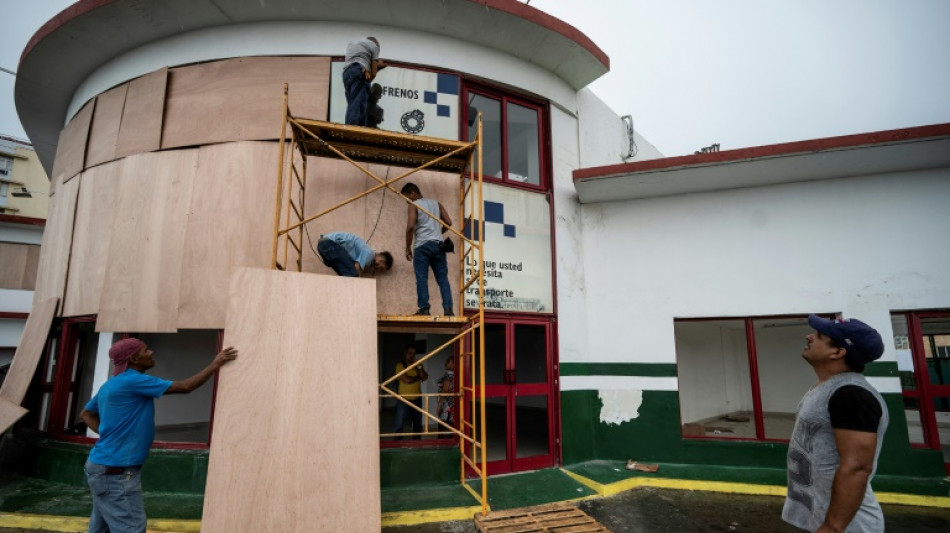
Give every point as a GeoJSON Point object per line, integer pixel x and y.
{"type": "Point", "coordinates": [426, 252]}
{"type": "Point", "coordinates": [838, 432]}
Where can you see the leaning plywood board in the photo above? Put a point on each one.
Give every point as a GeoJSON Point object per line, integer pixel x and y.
{"type": "Point", "coordinates": [141, 127]}
{"type": "Point", "coordinates": [29, 351]}
{"type": "Point", "coordinates": [295, 443]}
{"type": "Point", "coordinates": [93, 231]}
{"type": "Point", "coordinates": [143, 269]}
{"type": "Point", "coordinates": [104, 131]}
{"type": "Point", "coordinates": [15, 265]}
{"type": "Point", "coordinates": [57, 242]}
{"type": "Point", "coordinates": [9, 414]}
{"type": "Point", "coordinates": [240, 99]}
{"type": "Point", "coordinates": [230, 224]}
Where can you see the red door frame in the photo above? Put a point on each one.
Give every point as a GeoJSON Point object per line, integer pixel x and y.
{"type": "Point", "coordinates": [63, 380]}
{"type": "Point", "coordinates": [926, 391]}
{"type": "Point", "coordinates": [510, 389]}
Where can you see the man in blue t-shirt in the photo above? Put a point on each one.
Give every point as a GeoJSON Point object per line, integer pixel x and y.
{"type": "Point", "coordinates": [122, 412]}
{"type": "Point", "coordinates": [350, 256]}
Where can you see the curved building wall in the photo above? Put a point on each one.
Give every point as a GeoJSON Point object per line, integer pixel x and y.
{"type": "Point", "coordinates": [165, 183]}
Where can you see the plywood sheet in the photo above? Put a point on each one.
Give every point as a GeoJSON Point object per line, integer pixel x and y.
{"type": "Point", "coordinates": [57, 241]}
{"type": "Point", "coordinates": [29, 351]}
{"type": "Point", "coordinates": [309, 462]}
{"type": "Point", "coordinates": [382, 216]}
{"type": "Point", "coordinates": [104, 131]}
{"type": "Point", "coordinates": [71, 148]}
{"type": "Point", "coordinates": [9, 414]}
{"type": "Point", "coordinates": [230, 224]}
{"type": "Point", "coordinates": [93, 231]}
{"type": "Point", "coordinates": [18, 267]}
{"type": "Point", "coordinates": [140, 130]}
{"type": "Point", "coordinates": [143, 270]}
{"type": "Point", "coordinates": [241, 99]}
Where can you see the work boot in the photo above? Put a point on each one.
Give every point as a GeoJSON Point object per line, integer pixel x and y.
{"type": "Point", "coordinates": [448, 311]}
{"type": "Point", "coordinates": [423, 311]}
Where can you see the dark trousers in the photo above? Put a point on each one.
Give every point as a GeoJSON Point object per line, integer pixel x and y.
{"type": "Point", "coordinates": [403, 412]}
{"type": "Point", "coordinates": [356, 88]}
{"type": "Point", "coordinates": [427, 255]}
{"type": "Point", "coordinates": [335, 257]}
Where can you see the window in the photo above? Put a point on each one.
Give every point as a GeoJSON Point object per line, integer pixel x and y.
{"type": "Point", "coordinates": [741, 378]}
{"type": "Point", "coordinates": [77, 363]}
{"type": "Point", "coordinates": [6, 165]}
{"type": "Point", "coordinates": [512, 136]}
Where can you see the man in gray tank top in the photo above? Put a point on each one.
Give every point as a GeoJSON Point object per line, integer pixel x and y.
{"type": "Point", "coordinates": [427, 250]}
{"type": "Point", "coordinates": [839, 428]}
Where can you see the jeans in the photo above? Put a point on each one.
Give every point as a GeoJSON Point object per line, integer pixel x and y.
{"type": "Point", "coordinates": [356, 89]}
{"type": "Point", "coordinates": [335, 257]}
{"type": "Point", "coordinates": [117, 505]}
{"type": "Point", "coordinates": [403, 411]}
{"type": "Point", "coordinates": [423, 256]}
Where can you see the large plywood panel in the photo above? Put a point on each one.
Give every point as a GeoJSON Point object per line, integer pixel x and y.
{"type": "Point", "coordinates": [141, 126]}
{"type": "Point", "coordinates": [91, 236]}
{"type": "Point", "coordinates": [29, 351]}
{"type": "Point", "coordinates": [71, 149]}
{"type": "Point", "coordinates": [241, 99]}
{"type": "Point", "coordinates": [104, 131]}
{"type": "Point", "coordinates": [9, 414]}
{"type": "Point", "coordinates": [143, 270]}
{"type": "Point", "coordinates": [57, 242]}
{"type": "Point", "coordinates": [230, 224]}
{"type": "Point", "coordinates": [380, 217]}
{"type": "Point", "coordinates": [306, 377]}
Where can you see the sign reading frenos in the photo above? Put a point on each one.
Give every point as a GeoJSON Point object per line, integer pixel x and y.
{"type": "Point", "coordinates": [413, 101]}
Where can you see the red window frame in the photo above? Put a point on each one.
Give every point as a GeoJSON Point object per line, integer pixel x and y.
{"type": "Point", "coordinates": [63, 383]}
{"type": "Point", "coordinates": [755, 386]}
{"type": "Point", "coordinates": [543, 129]}
{"type": "Point", "coordinates": [925, 391]}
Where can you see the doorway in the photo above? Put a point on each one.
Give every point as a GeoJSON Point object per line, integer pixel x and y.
{"type": "Point", "coordinates": [922, 342]}
{"type": "Point", "coordinates": [519, 396]}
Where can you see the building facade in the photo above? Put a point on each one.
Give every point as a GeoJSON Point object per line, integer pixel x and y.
{"type": "Point", "coordinates": [632, 311]}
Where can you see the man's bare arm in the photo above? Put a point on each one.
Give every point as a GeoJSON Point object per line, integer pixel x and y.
{"type": "Point", "coordinates": [91, 419]}
{"type": "Point", "coordinates": [187, 385]}
{"type": "Point", "coordinates": [410, 229]}
{"type": "Point", "coordinates": [856, 449]}
{"type": "Point", "coordinates": [444, 215]}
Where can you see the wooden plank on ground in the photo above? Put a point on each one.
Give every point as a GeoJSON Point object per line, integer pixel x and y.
{"type": "Point", "coordinates": [104, 131]}
{"type": "Point", "coordinates": [143, 270]}
{"type": "Point", "coordinates": [9, 414]}
{"type": "Point", "coordinates": [551, 518]}
{"type": "Point", "coordinates": [141, 128]}
{"type": "Point", "coordinates": [230, 224]}
{"type": "Point", "coordinates": [93, 231]}
{"type": "Point", "coordinates": [240, 99]}
{"type": "Point", "coordinates": [295, 444]}
{"type": "Point", "coordinates": [29, 351]}
{"type": "Point", "coordinates": [57, 242]}
{"type": "Point", "coordinates": [71, 148]}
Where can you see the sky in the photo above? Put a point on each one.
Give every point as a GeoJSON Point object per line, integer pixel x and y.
{"type": "Point", "coordinates": [738, 73]}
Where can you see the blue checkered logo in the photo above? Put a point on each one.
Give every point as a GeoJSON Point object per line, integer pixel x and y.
{"type": "Point", "coordinates": [494, 214]}
{"type": "Point", "coordinates": [447, 90]}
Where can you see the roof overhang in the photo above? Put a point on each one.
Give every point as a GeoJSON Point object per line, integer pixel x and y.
{"type": "Point", "coordinates": [833, 157]}
{"type": "Point", "coordinates": [84, 36]}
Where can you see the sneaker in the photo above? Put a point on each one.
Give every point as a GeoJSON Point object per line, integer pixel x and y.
{"type": "Point", "coordinates": [423, 311]}
{"type": "Point", "coordinates": [448, 311]}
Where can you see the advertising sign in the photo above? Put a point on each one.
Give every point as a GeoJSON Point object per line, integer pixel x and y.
{"type": "Point", "coordinates": [413, 101]}
{"type": "Point", "coordinates": [517, 252]}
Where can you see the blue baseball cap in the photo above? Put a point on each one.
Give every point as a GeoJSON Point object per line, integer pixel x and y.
{"type": "Point", "coordinates": [861, 342]}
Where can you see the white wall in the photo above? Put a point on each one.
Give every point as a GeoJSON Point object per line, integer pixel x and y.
{"type": "Point", "coordinates": [323, 39]}
{"type": "Point", "coordinates": [863, 246]}
{"type": "Point", "coordinates": [179, 356]}
{"type": "Point", "coordinates": [713, 370]}
{"type": "Point", "coordinates": [604, 135]}
{"type": "Point", "coordinates": [20, 233]}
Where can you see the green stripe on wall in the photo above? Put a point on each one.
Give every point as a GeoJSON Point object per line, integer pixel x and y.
{"type": "Point", "coordinates": [881, 370]}
{"type": "Point", "coordinates": [653, 370]}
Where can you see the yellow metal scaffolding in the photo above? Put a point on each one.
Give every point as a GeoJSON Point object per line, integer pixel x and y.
{"type": "Point", "coordinates": [357, 145]}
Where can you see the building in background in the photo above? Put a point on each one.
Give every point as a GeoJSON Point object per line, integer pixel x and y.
{"type": "Point", "coordinates": [24, 197]}
{"type": "Point", "coordinates": [638, 306]}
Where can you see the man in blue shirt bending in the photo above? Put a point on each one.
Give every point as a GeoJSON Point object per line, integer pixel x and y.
{"type": "Point", "coordinates": [123, 414]}
{"type": "Point", "coordinates": [350, 256]}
